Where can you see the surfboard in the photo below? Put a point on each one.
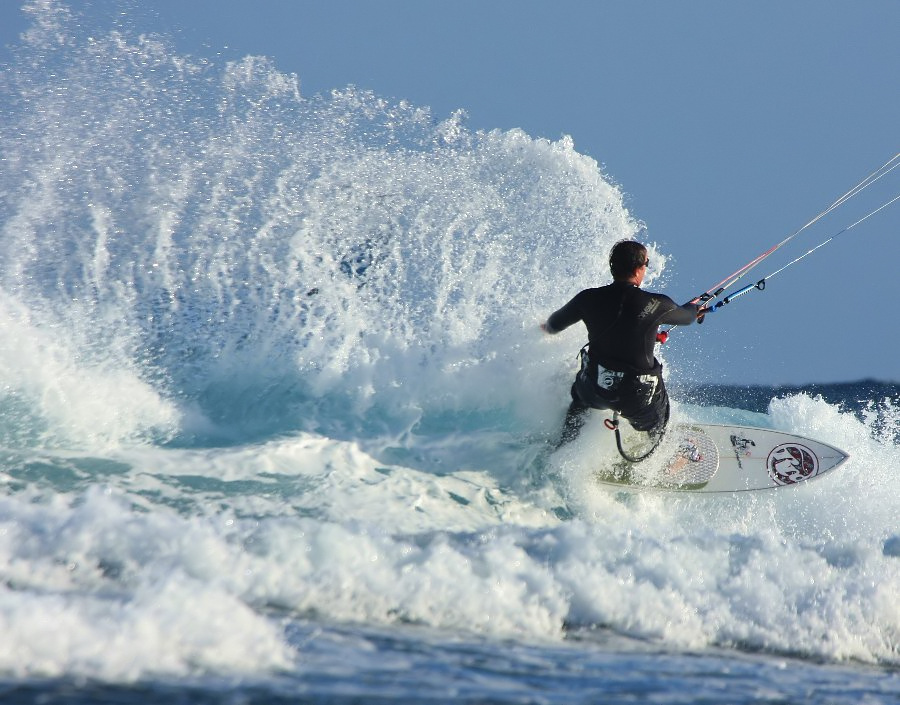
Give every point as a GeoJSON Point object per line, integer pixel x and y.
{"type": "Point", "coordinates": [719, 458]}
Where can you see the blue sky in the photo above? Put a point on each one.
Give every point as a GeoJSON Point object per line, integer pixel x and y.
{"type": "Point", "coordinates": [728, 125]}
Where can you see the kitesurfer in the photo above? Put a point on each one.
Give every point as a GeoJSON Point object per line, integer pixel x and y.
{"type": "Point", "coordinates": [619, 370]}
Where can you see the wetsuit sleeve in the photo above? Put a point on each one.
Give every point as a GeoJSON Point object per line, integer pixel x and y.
{"type": "Point", "coordinates": [565, 317]}
{"type": "Point", "coordinates": [682, 315]}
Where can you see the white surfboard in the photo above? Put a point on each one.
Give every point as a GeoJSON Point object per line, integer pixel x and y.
{"type": "Point", "coordinates": [713, 458]}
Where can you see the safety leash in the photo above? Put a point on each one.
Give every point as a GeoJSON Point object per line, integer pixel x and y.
{"type": "Point", "coordinates": [613, 425]}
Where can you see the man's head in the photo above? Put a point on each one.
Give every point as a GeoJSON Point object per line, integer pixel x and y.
{"type": "Point", "coordinates": [626, 258]}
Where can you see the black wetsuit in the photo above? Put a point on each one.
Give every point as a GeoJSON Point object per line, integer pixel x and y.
{"type": "Point", "coordinates": [619, 370]}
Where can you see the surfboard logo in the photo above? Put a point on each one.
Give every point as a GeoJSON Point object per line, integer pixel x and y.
{"type": "Point", "coordinates": [741, 447]}
{"type": "Point", "coordinates": [790, 463]}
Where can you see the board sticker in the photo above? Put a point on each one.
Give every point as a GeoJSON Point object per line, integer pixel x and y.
{"type": "Point", "coordinates": [742, 446]}
{"type": "Point", "coordinates": [790, 463]}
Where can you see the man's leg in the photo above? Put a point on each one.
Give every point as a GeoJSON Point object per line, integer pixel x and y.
{"type": "Point", "coordinates": [653, 417]}
{"type": "Point", "coordinates": [574, 420]}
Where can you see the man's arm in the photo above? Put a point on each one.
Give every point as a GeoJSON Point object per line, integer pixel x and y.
{"type": "Point", "coordinates": [563, 318]}
{"type": "Point", "coordinates": [683, 315]}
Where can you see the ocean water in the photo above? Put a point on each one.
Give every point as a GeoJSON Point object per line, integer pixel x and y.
{"type": "Point", "coordinates": [275, 417]}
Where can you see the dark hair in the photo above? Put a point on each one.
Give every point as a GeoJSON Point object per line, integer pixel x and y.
{"type": "Point", "coordinates": [626, 257]}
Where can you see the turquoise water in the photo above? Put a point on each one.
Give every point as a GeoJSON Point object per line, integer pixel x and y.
{"type": "Point", "coordinates": [275, 412]}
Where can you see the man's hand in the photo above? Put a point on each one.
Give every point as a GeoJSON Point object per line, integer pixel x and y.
{"type": "Point", "coordinates": [701, 313]}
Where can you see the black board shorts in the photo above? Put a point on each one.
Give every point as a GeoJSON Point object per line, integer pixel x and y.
{"type": "Point", "coordinates": [642, 400]}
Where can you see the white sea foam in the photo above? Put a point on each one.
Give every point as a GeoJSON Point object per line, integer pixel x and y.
{"type": "Point", "coordinates": [314, 526]}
